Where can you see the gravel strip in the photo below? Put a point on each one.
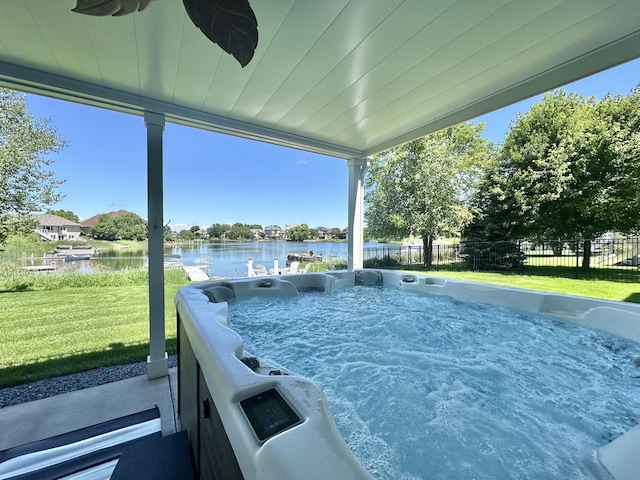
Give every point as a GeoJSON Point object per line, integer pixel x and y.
{"type": "Point", "coordinates": [76, 381]}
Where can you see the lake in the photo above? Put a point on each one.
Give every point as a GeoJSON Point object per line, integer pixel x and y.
{"type": "Point", "coordinates": [230, 258]}
{"type": "Point", "coordinates": [226, 259]}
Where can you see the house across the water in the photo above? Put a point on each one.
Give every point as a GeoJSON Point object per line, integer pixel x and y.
{"type": "Point", "coordinates": [55, 228]}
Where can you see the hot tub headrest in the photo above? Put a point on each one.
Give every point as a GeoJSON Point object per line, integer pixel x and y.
{"type": "Point", "coordinates": [219, 293]}
{"type": "Point", "coordinates": [369, 277]}
{"type": "Point", "coordinates": [263, 287]}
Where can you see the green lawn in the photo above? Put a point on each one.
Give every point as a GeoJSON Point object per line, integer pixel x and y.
{"type": "Point", "coordinates": [54, 332]}
{"type": "Point", "coordinates": [607, 290]}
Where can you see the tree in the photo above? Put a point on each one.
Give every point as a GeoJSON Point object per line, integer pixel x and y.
{"type": "Point", "coordinates": [168, 234]}
{"type": "Point", "coordinates": [238, 231]}
{"type": "Point", "coordinates": [422, 188]}
{"type": "Point", "coordinates": [299, 233]}
{"type": "Point", "coordinates": [98, 230]}
{"type": "Point", "coordinates": [617, 138]}
{"type": "Point", "coordinates": [490, 240]}
{"type": "Point", "coordinates": [68, 214]}
{"type": "Point", "coordinates": [217, 230]}
{"type": "Point", "coordinates": [26, 185]}
{"type": "Point", "coordinates": [126, 226]}
{"type": "Point", "coordinates": [569, 168]}
{"type": "Point", "coordinates": [495, 214]}
{"type": "Point", "coordinates": [186, 235]}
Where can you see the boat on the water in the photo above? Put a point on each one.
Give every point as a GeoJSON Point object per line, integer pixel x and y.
{"type": "Point", "coordinates": [74, 250]}
{"type": "Point", "coordinates": [304, 257]}
{"type": "Point", "coordinates": [71, 257]}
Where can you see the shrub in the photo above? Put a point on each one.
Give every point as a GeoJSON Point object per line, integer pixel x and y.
{"type": "Point", "coordinates": [385, 261]}
{"type": "Point", "coordinates": [493, 256]}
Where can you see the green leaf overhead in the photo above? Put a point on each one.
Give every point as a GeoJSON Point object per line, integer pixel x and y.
{"type": "Point", "coordinates": [116, 8]}
{"type": "Point", "coordinates": [229, 23]}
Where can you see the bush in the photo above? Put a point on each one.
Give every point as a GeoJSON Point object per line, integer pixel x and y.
{"type": "Point", "coordinates": [385, 261]}
{"type": "Point", "coordinates": [493, 256]}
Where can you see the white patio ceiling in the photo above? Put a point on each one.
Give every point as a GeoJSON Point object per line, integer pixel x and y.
{"type": "Point", "coordinates": [343, 78]}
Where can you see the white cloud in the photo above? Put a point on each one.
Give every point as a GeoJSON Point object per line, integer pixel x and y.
{"type": "Point", "coordinates": [301, 161]}
{"type": "Point", "coordinates": [176, 227]}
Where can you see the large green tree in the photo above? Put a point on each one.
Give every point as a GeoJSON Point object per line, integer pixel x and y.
{"type": "Point", "coordinates": [239, 231]}
{"type": "Point", "coordinates": [617, 140]}
{"type": "Point", "coordinates": [186, 235]}
{"type": "Point", "coordinates": [68, 214]}
{"type": "Point", "coordinates": [569, 168]}
{"type": "Point", "coordinates": [299, 233]}
{"type": "Point", "coordinates": [422, 188]}
{"type": "Point", "coordinates": [98, 229]}
{"type": "Point", "coordinates": [126, 226]}
{"type": "Point", "coordinates": [217, 230]}
{"type": "Point", "coordinates": [26, 183]}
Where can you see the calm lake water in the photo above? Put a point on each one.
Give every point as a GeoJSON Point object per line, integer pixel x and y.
{"type": "Point", "coordinates": [230, 258]}
{"type": "Point", "coordinates": [226, 259]}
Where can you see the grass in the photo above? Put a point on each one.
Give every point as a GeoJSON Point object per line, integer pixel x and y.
{"type": "Point", "coordinates": [602, 289]}
{"type": "Point", "coordinates": [58, 327]}
{"type": "Point", "coordinates": [15, 246]}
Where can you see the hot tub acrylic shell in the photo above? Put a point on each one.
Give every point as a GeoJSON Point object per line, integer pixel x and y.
{"type": "Point", "coordinates": [314, 449]}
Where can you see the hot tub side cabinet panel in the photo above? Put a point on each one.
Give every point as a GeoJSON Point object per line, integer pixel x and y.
{"type": "Point", "coordinates": [188, 393]}
{"type": "Point", "coordinates": [212, 453]}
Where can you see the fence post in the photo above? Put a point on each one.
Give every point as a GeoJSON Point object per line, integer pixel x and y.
{"type": "Point", "coordinates": [520, 252]}
{"type": "Point", "coordinates": [473, 249]}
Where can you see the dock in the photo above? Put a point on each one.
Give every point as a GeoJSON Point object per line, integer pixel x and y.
{"type": "Point", "coordinates": [39, 268]}
{"type": "Point", "coordinates": [195, 274]}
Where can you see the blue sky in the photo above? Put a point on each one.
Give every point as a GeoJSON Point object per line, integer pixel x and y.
{"type": "Point", "coordinates": [212, 178]}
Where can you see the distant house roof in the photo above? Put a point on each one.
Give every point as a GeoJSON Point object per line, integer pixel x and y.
{"type": "Point", "coordinates": [90, 222]}
{"type": "Point", "coordinates": [54, 220]}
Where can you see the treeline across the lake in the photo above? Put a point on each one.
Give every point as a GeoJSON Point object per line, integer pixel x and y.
{"type": "Point", "coordinates": [242, 231]}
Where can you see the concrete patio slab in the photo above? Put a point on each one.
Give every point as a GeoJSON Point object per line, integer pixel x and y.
{"type": "Point", "coordinates": [32, 421]}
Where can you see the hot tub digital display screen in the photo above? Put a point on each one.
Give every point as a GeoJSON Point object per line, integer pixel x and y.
{"type": "Point", "coordinates": [269, 413]}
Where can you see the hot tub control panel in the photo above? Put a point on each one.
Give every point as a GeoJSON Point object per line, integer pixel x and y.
{"type": "Point", "coordinates": [269, 414]}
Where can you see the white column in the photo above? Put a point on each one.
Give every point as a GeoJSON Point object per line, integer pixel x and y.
{"type": "Point", "coordinates": [357, 170]}
{"type": "Point", "coordinates": [157, 363]}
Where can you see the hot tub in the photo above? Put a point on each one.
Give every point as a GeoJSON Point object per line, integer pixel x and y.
{"type": "Point", "coordinates": [247, 419]}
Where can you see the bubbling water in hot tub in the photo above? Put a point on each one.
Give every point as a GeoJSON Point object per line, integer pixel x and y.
{"type": "Point", "coordinates": [422, 386]}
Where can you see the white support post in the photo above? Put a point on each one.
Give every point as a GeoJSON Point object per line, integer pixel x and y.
{"type": "Point", "coordinates": [157, 361]}
{"type": "Point", "coordinates": [355, 243]}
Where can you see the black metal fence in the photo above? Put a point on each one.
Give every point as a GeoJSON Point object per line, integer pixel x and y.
{"type": "Point", "coordinates": [610, 259]}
